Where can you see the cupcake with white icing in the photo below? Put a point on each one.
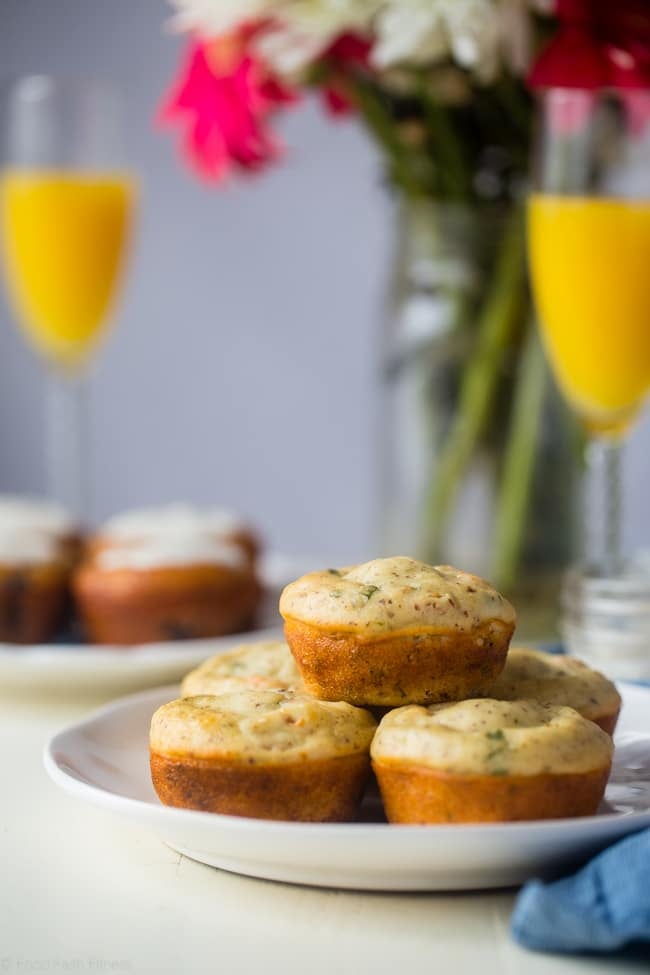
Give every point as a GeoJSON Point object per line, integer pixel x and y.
{"type": "Point", "coordinates": [176, 520]}
{"type": "Point", "coordinates": [38, 543]}
{"type": "Point", "coordinates": [178, 584]}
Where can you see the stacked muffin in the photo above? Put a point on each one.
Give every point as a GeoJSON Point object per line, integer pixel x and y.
{"type": "Point", "coordinates": [463, 740]}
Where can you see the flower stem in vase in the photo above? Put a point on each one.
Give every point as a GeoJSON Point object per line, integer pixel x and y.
{"type": "Point", "coordinates": [519, 461]}
{"type": "Point", "coordinates": [495, 331]}
{"type": "Point", "coordinates": [378, 117]}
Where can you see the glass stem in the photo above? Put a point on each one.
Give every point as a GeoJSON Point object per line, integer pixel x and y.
{"type": "Point", "coordinates": [602, 541]}
{"type": "Point", "coordinates": [65, 425]}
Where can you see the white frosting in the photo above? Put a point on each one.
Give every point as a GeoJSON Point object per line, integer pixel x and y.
{"type": "Point", "coordinates": [172, 548]}
{"type": "Point", "coordinates": [26, 546]}
{"type": "Point", "coordinates": [174, 518]}
{"type": "Point", "coordinates": [35, 514]}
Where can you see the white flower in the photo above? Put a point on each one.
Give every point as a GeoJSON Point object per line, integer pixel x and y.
{"type": "Point", "coordinates": [474, 34]}
{"type": "Point", "coordinates": [516, 29]}
{"type": "Point", "coordinates": [300, 31]}
{"type": "Point", "coordinates": [213, 17]}
{"type": "Point", "coordinates": [429, 31]}
{"type": "Point", "coordinates": [305, 28]}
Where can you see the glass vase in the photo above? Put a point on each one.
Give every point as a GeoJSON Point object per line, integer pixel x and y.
{"type": "Point", "coordinates": [480, 459]}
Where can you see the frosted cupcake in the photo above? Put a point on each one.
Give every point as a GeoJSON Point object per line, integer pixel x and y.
{"type": "Point", "coordinates": [37, 515]}
{"type": "Point", "coordinates": [173, 587]}
{"type": "Point", "coordinates": [143, 524]}
{"type": "Point", "coordinates": [34, 574]}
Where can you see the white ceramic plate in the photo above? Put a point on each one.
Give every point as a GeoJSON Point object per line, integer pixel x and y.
{"type": "Point", "coordinates": [111, 670]}
{"type": "Point", "coordinates": [70, 667]}
{"type": "Point", "coordinates": [104, 760]}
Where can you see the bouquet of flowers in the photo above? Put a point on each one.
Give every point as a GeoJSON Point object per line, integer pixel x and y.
{"type": "Point", "coordinates": [444, 87]}
{"type": "Point", "coordinates": [437, 81]}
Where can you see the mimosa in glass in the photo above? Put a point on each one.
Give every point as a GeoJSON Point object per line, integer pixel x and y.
{"type": "Point", "coordinates": [65, 236]}
{"type": "Point", "coordinates": [590, 265]}
{"type": "Point", "coordinates": [66, 204]}
{"type": "Point", "coordinates": [589, 249]}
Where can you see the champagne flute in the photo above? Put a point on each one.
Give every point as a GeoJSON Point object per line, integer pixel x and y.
{"type": "Point", "coordinates": [66, 202]}
{"type": "Point", "coordinates": [589, 250]}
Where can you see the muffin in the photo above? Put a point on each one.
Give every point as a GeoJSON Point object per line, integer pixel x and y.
{"type": "Point", "coordinates": [265, 754]}
{"type": "Point", "coordinates": [489, 761]}
{"type": "Point", "coordinates": [560, 680]}
{"type": "Point", "coordinates": [145, 523]}
{"type": "Point", "coordinates": [174, 587]}
{"type": "Point", "coordinates": [34, 574]}
{"type": "Point", "coordinates": [396, 631]}
{"type": "Point", "coordinates": [265, 665]}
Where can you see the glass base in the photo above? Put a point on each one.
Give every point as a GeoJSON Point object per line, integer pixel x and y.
{"type": "Point", "coordinates": [606, 619]}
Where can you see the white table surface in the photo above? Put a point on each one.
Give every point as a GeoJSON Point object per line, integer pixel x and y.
{"type": "Point", "coordinates": [82, 891]}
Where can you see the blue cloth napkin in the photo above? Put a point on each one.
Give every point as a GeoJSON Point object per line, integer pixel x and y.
{"type": "Point", "coordinates": [603, 907]}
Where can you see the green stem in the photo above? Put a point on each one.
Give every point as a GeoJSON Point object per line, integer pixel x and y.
{"type": "Point", "coordinates": [448, 149]}
{"type": "Point", "coordinates": [381, 123]}
{"type": "Point", "coordinates": [519, 461]}
{"type": "Point", "coordinates": [516, 102]}
{"type": "Point", "coordinates": [480, 382]}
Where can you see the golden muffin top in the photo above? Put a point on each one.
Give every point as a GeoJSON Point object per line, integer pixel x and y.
{"type": "Point", "coordinates": [555, 680]}
{"type": "Point", "coordinates": [265, 665]}
{"type": "Point", "coordinates": [252, 726]}
{"type": "Point", "coordinates": [396, 594]}
{"type": "Point", "coordinates": [488, 737]}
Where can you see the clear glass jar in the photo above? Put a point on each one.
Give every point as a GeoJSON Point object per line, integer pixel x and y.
{"type": "Point", "coordinates": [606, 621]}
{"type": "Point", "coordinates": [480, 459]}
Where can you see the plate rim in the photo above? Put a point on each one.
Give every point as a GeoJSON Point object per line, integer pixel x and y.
{"type": "Point", "coordinates": [143, 810]}
{"type": "Point", "coordinates": [165, 650]}
{"type": "Point", "coordinates": [32, 654]}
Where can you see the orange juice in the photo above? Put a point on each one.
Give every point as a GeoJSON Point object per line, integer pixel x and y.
{"type": "Point", "coordinates": [64, 239]}
{"type": "Point", "coordinates": [590, 265]}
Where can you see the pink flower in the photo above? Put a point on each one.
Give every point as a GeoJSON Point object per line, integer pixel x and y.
{"type": "Point", "coordinates": [224, 98]}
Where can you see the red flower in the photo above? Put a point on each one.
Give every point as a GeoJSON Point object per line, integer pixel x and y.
{"type": "Point", "coordinates": [348, 52]}
{"type": "Point", "coordinates": [224, 98]}
{"type": "Point", "coordinates": [600, 44]}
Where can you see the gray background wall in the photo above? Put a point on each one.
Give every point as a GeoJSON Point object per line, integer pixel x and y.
{"type": "Point", "coordinates": [243, 365]}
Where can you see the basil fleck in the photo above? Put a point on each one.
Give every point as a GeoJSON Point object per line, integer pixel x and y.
{"type": "Point", "coordinates": [369, 591]}
{"type": "Point", "coordinates": [497, 735]}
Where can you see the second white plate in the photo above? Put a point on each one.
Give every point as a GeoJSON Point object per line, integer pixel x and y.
{"type": "Point", "coordinates": [104, 760]}
{"type": "Point", "coordinates": [84, 668]}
